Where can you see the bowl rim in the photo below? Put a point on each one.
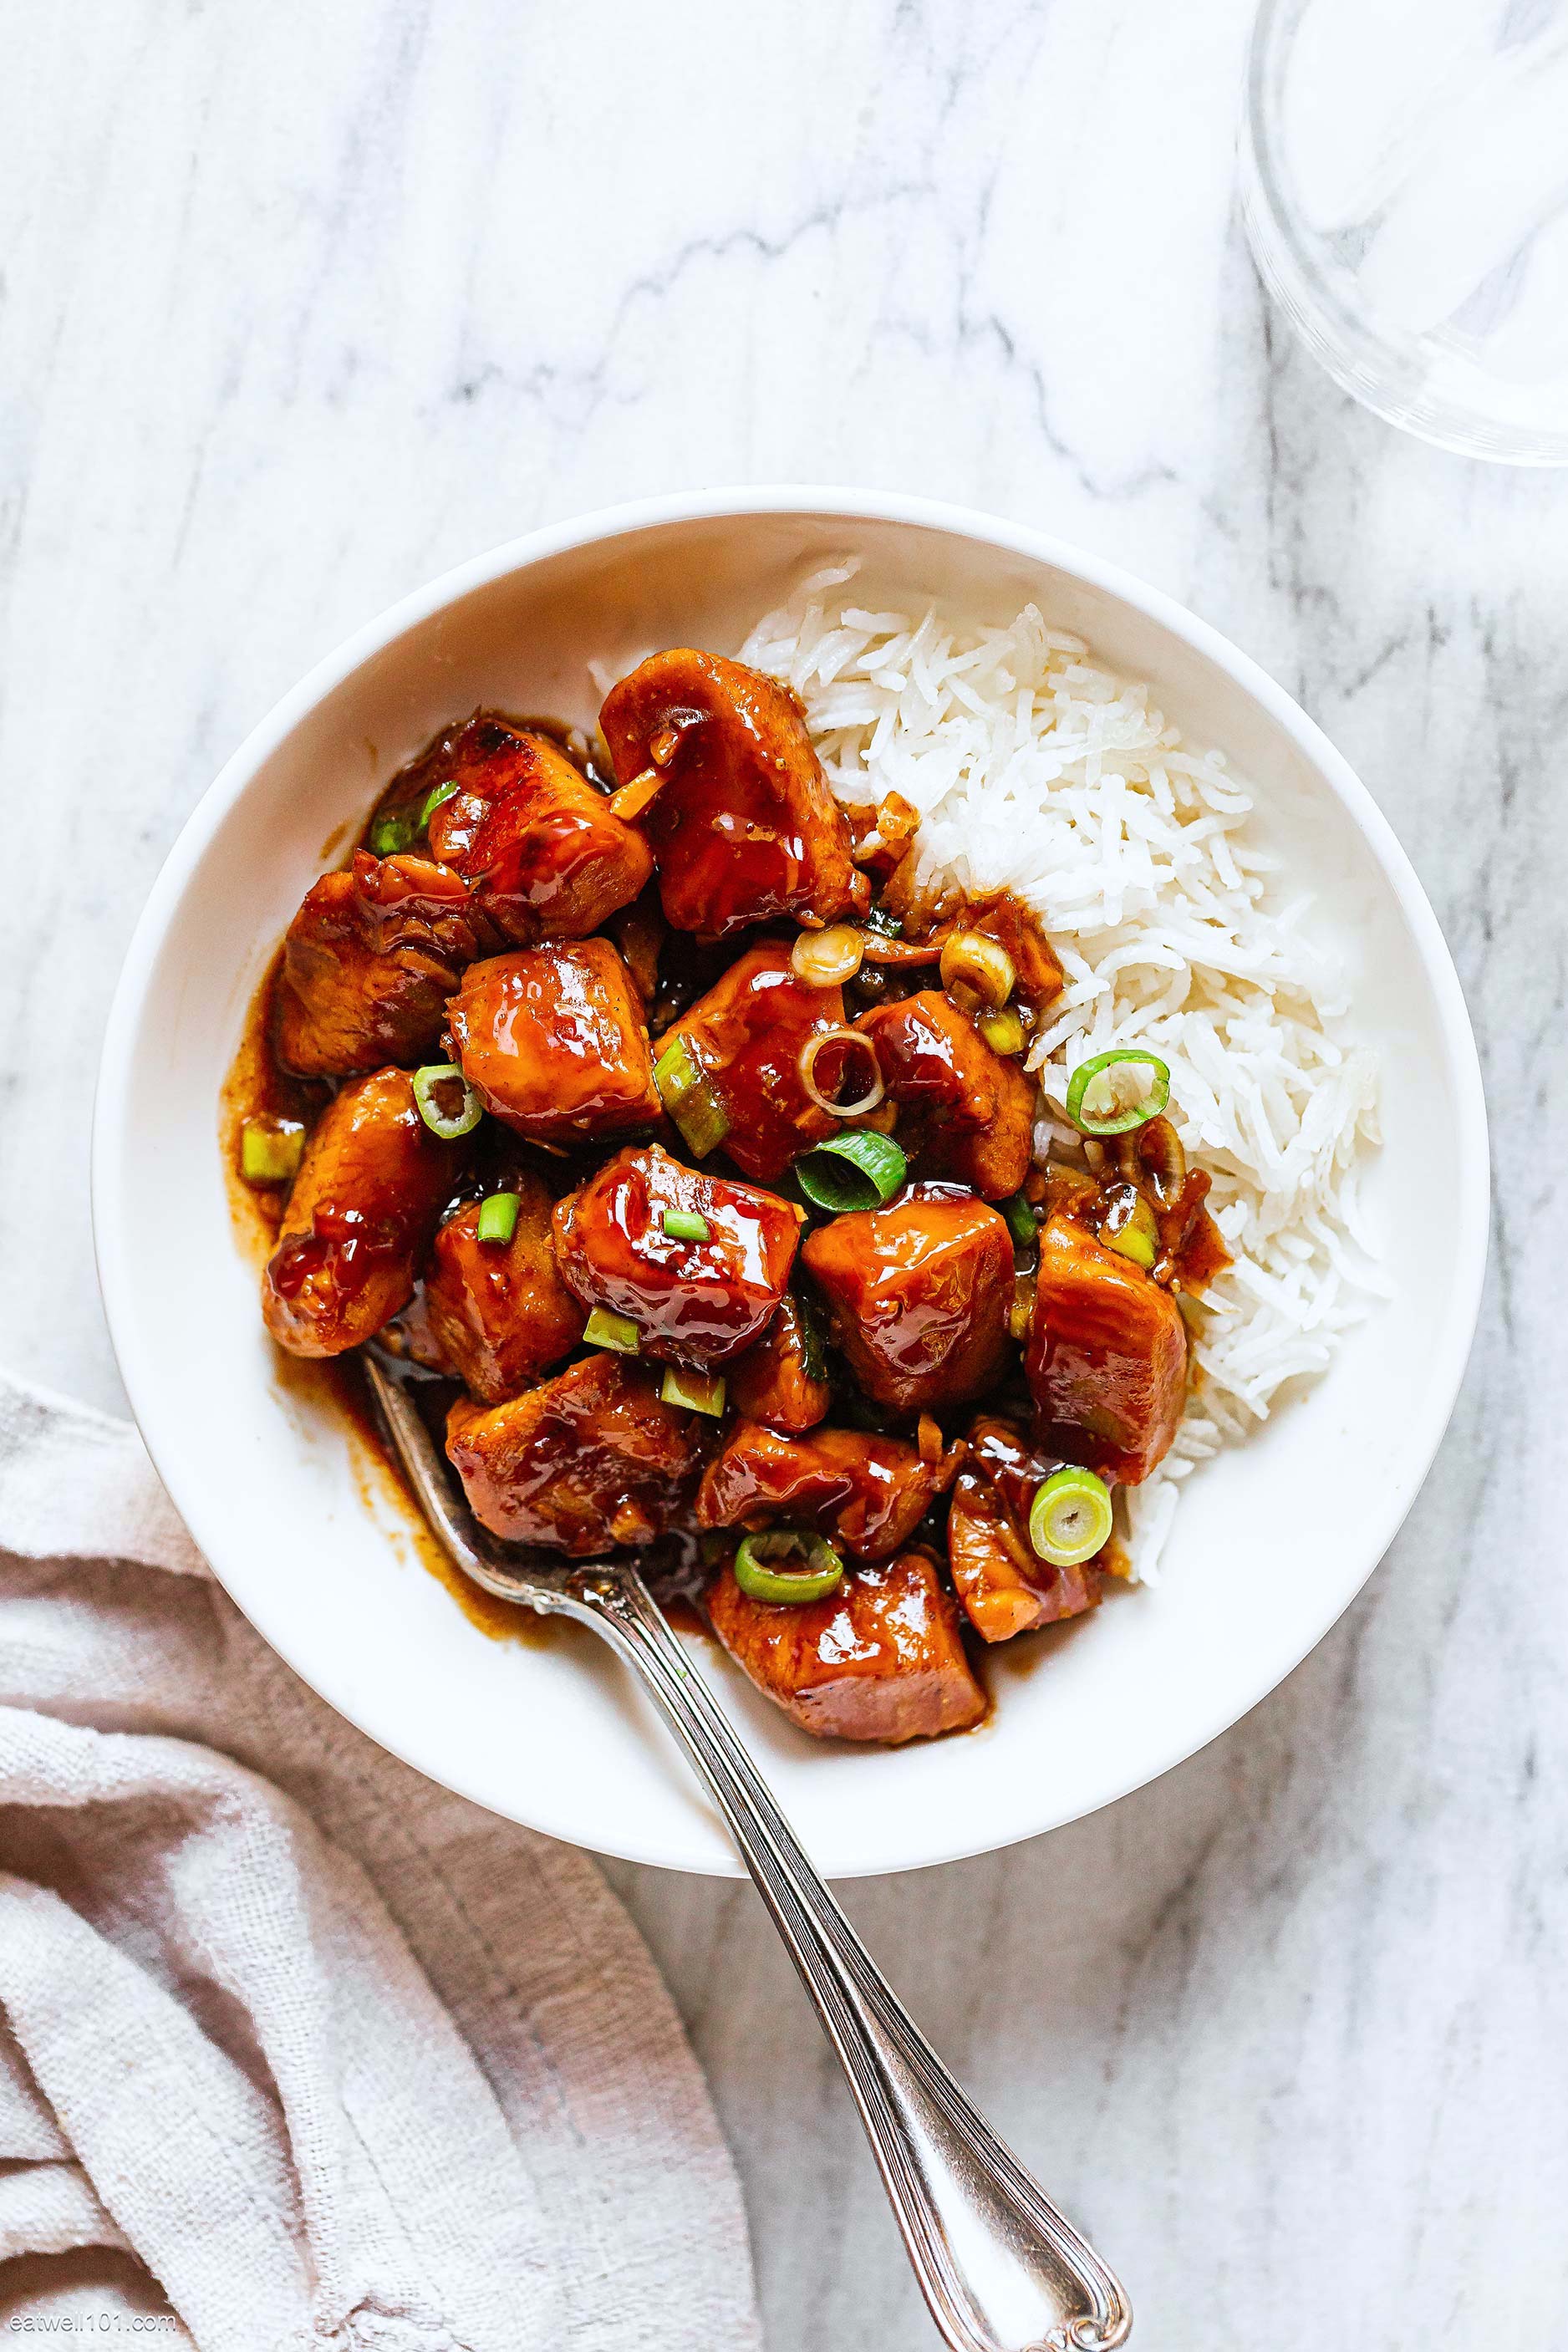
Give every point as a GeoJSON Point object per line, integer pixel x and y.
{"type": "Point", "coordinates": [110, 1131]}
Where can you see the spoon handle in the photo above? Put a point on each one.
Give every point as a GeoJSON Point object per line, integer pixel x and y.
{"type": "Point", "coordinates": [1001, 2269]}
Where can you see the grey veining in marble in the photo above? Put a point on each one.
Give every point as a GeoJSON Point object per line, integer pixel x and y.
{"type": "Point", "coordinates": [301, 304]}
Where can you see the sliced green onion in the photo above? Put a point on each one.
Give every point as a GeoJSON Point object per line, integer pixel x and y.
{"type": "Point", "coordinates": [434, 1077]}
{"type": "Point", "coordinates": [880, 920]}
{"type": "Point", "coordinates": [392, 833]}
{"type": "Point", "coordinates": [973, 959]}
{"type": "Point", "coordinates": [1003, 1032]}
{"type": "Point", "coordinates": [1069, 1517]}
{"type": "Point", "coordinates": [1099, 1103]}
{"type": "Point", "coordinates": [689, 1099]}
{"type": "Point", "coordinates": [698, 1391]}
{"type": "Point", "coordinates": [1022, 1222]}
{"type": "Point", "coordinates": [1131, 1228]}
{"type": "Point", "coordinates": [685, 1225]}
{"type": "Point", "coordinates": [442, 794]}
{"type": "Point", "coordinates": [820, 1567]}
{"type": "Point", "coordinates": [813, 1355]}
{"type": "Point", "coordinates": [604, 1329]}
{"type": "Point", "coordinates": [852, 1171]}
{"type": "Point", "coordinates": [271, 1149]}
{"type": "Point", "coordinates": [497, 1217]}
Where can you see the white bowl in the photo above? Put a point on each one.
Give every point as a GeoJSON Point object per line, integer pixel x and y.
{"type": "Point", "coordinates": [1271, 1542]}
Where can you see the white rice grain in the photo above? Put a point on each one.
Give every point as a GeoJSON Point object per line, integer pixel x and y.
{"type": "Point", "coordinates": [1034, 770]}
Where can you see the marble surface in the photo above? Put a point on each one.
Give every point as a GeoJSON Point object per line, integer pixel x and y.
{"type": "Point", "coordinates": [302, 304]}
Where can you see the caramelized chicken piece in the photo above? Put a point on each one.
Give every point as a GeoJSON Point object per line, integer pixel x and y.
{"type": "Point", "coordinates": [746, 1036]}
{"type": "Point", "coordinates": [360, 1216]}
{"type": "Point", "coordinates": [553, 1040]}
{"type": "Point", "coordinates": [868, 1494]}
{"type": "Point", "coordinates": [545, 856]}
{"type": "Point", "coordinates": [498, 1312]}
{"type": "Point", "coordinates": [368, 964]}
{"type": "Point", "coordinates": [779, 1380]}
{"type": "Point", "coordinates": [881, 1658]}
{"type": "Point", "coordinates": [963, 1110]}
{"type": "Point", "coordinates": [1004, 1586]}
{"type": "Point", "coordinates": [590, 1460]}
{"type": "Point", "coordinates": [742, 824]}
{"type": "Point", "coordinates": [1107, 1356]}
{"type": "Point", "coordinates": [919, 1294]}
{"type": "Point", "coordinates": [694, 1300]}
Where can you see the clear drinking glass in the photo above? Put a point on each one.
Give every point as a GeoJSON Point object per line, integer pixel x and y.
{"type": "Point", "coordinates": [1405, 184]}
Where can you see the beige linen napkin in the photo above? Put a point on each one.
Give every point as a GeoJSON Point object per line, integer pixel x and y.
{"type": "Point", "coordinates": [341, 2060]}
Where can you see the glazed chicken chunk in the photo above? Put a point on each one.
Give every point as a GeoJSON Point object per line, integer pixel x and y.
{"type": "Point", "coordinates": [545, 856]}
{"type": "Point", "coordinates": [743, 823]}
{"type": "Point", "coordinates": [918, 1295]}
{"type": "Point", "coordinates": [965, 1112]}
{"type": "Point", "coordinates": [779, 1380]}
{"type": "Point", "coordinates": [868, 1494]}
{"type": "Point", "coordinates": [369, 963]}
{"type": "Point", "coordinates": [591, 1460]}
{"type": "Point", "coordinates": [551, 1039]}
{"type": "Point", "coordinates": [697, 1263]}
{"type": "Point", "coordinates": [1107, 1356]}
{"type": "Point", "coordinates": [744, 1041]}
{"type": "Point", "coordinates": [881, 1658]}
{"type": "Point", "coordinates": [498, 1312]}
{"type": "Point", "coordinates": [360, 1217]}
{"type": "Point", "coordinates": [1004, 1585]}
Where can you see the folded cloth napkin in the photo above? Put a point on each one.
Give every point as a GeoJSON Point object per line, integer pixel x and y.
{"type": "Point", "coordinates": [338, 2059]}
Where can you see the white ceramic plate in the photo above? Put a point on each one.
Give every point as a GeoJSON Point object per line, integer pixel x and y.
{"type": "Point", "coordinates": [1271, 1542]}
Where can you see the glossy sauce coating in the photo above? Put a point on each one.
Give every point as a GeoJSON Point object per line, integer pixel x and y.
{"type": "Point", "coordinates": [746, 1035]}
{"type": "Point", "coordinates": [1107, 1356]}
{"type": "Point", "coordinates": [693, 1301]}
{"type": "Point", "coordinates": [1003, 1584]}
{"type": "Point", "coordinates": [868, 1494]}
{"type": "Point", "coordinates": [881, 1658]}
{"type": "Point", "coordinates": [369, 963]}
{"type": "Point", "coordinates": [360, 1216]}
{"type": "Point", "coordinates": [498, 1312]}
{"type": "Point", "coordinates": [779, 1380]}
{"type": "Point", "coordinates": [553, 1040]}
{"type": "Point", "coordinates": [918, 1295]}
{"type": "Point", "coordinates": [387, 960]}
{"type": "Point", "coordinates": [968, 1111]}
{"type": "Point", "coordinates": [545, 856]}
{"type": "Point", "coordinates": [744, 827]}
{"type": "Point", "coordinates": [590, 1460]}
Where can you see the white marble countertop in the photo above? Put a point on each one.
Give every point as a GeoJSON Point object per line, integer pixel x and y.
{"type": "Point", "coordinates": [302, 304]}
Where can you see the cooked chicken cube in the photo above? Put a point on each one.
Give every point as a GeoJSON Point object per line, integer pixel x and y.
{"type": "Point", "coordinates": [697, 1262]}
{"type": "Point", "coordinates": [498, 1312]}
{"type": "Point", "coordinates": [1107, 1356]}
{"type": "Point", "coordinates": [591, 1460]}
{"type": "Point", "coordinates": [745, 1039]}
{"type": "Point", "coordinates": [364, 1205]}
{"type": "Point", "coordinates": [553, 1040]}
{"type": "Point", "coordinates": [743, 823]}
{"type": "Point", "coordinates": [368, 964]}
{"type": "Point", "coordinates": [779, 1380]}
{"type": "Point", "coordinates": [881, 1658]}
{"type": "Point", "coordinates": [918, 1295]}
{"type": "Point", "coordinates": [545, 855]}
{"type": "Point", "coordinates": [963, 1111]}
{"type": "Point", "coordinates": [868, 1494]}
{"type": "Point", "coordinates": [1004, 1586]}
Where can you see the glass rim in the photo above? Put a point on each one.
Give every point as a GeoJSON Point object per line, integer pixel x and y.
{"type": "Point", "coordinates": [1372, 367]}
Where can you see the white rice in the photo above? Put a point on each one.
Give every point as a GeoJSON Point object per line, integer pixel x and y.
{"type": "Point", "coordinates": [1036, 770]}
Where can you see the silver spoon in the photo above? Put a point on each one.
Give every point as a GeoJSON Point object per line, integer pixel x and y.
{"type": "Point", "coordinates": [1001, 2270]}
